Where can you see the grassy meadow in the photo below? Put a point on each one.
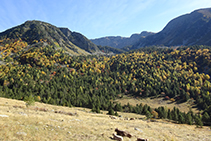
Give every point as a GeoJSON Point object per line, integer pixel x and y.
{"type": "Point", "coordinates": [30, 124]}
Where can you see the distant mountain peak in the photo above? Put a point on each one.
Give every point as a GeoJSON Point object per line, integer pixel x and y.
{"type": "Point", "coordinates": [188, 29]}
{"type": "Point", "coordinates": [120, 42]}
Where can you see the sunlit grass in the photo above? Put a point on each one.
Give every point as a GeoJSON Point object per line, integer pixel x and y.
{"type": "Point", "coordinates": [28, 124]}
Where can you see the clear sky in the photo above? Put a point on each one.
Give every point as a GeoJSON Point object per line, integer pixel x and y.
{"type": "Point", "coordinates": [98, 18]}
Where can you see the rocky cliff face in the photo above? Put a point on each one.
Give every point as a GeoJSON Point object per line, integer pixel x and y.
{"type": "Point", "coordinates": [120, 42]}
{"type": "Point", "coordinates": [188, 29]}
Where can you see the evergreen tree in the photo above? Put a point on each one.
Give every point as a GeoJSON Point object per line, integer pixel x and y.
{"type": "Point", "coordinates": [116, 114]}
{"type": "Point", "coordinates": [198, 121]}
{"type": "Point", "coordinates": [98, 109]}
{"type": "Point", "coordinates": [145, 109]}
{"type": "Point", "coordinates": [29, 100]}
{"type": "Point", "coordinates": [93, 108]}
{"type": "Point", "coordinates": [181, 118]}
{"type": "Point", "coordinates": [189, 119]}
{"type": "Point", "coordinates": [111, 111]}
{"type": "Point", "coordinates": [174, 115]}
{"type": "Point", "coordinates": [205, 117]}
{"type": "Point", "coordinates": [118, 107]}
{"type": "Point", "coordinates": [169, 114]}
{"type": "Point", "coordinates": [148, 115]}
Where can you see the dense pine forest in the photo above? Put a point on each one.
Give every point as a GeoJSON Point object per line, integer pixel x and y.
{"type": "Point", "coordinates": [51, 75]}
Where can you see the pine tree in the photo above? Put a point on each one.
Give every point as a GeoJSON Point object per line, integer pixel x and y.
{"type": "Point", "coordinates": [198, 121]}
{"type": "Point", "coordinates": [189, 119]}
{"type": "Point", "coordinates": [118, 107]}
{"type": "Point", "coordinates": [148, 115]}
{"type": "Point", "coordinates": [174, 115]}
{"type": "Point", "coordinates": [116, 114]}
{"type": "Point", "coordinates": [29, 100]}
{"type": "Point", "coordinates": [97, 109]}
{"type": "Point", "coordinates": [93, 108]}
{"type": "Point", "coordinates": [206, 117]}
{"type": "Point", "coordinates": [169, 114]}
{"type": "Point", "coordinates": [181, 119]}
{"type": "Point", "coordinates": [111, 111]}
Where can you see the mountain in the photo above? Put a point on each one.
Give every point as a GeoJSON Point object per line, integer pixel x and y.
{"type": "Point", "coordinates": [120, 42]}
{"type": "Point", "coordinates": [34, 31]}
{"type": "Point", "coordinates": [188, 29]}
{"type": "Point", "coordinates": [80, 40]}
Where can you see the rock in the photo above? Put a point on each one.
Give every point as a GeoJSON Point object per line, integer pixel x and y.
{"type": "Point", "coordinates": [138, 130]}
{"type": "Point", "coordinates": [4, 116]}
{"type": "Point", "coordinates": [141, 139]}
{"type": "Point", "coordinates": [21, 133]}
{"type": "Point", "coordinates": [123, 133]}
{"type": "Point", "coordinates": [36, 128]}
{"type": "Point", "coordinates": [126, 118]}
{"type": "Point", "coordinates": [117, 137]}
{"type": "Point", "coordinates": [113, 117]}
{"type": "Point", "coordinates": [22, 113]}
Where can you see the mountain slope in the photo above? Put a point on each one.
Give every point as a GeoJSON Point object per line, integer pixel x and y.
{"type": "Point", "coordinates": [35, 31]}
{"type": "Point", "coordinates": [80, 40]}
{"type": "Point", "coordinates": [188, 29]}
{"type": "Point", "coordinates": [21, 123]}
{"type": "Point", "coordinates": [120, 42]}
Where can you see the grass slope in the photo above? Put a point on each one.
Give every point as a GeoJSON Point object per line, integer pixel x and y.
{"type": "Point", "coordinates": [28, 124]}
{"type": "Point", "coordinates": [158, 102]}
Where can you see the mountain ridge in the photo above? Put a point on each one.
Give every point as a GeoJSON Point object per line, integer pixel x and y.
{"type": "Point", "coordinates": [35, 31]}
{"type": "Point", "coordinates": [187, 29]}
{"type": "Point", "coordinates": [119, 41]}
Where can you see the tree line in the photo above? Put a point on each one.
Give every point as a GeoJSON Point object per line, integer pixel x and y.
{"type": "Point", "coordinates": [53, 76]}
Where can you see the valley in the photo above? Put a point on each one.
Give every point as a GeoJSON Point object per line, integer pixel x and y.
{"type": "Point", "coordinates": [83, 91]}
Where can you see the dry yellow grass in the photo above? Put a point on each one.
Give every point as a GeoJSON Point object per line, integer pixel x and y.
{"type": "Point", "coordinates": [30, 125]}
{"type": "Point", "coordinates": [155, 103]}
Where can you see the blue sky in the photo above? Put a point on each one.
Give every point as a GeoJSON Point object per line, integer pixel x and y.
{"type": "Point", "coordinates": [98, 18]}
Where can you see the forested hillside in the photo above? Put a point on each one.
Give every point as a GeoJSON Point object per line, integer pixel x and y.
{"type": "Point", "coordinates": [52, 76]}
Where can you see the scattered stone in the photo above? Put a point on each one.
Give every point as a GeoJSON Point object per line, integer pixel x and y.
{"type": "Point", "coordinates": [123, 133]}
{"type": "Point", "coordinates": [77, 120]}
{"type": "Point", "coordinates": [140, 139]}
{"type": "Point", "coordinates": [126, 118]}
{"type": "Point", "coordinates": [138, 130]}
{"type": "Point", "coordinates": [132, 118]}
{"type": "Point", "coordinates": [118, 138]}
{"type": "Point", "coordinates": [68, 132]}
{"type": "Point", "coordinates": [113, 117]}
{"type": "Point", "coordinates": [36, 128]}
{"type": "Point", "coordinates": [21, 133]}
{"type": "Point", "coordinates": [4, 116]}
{"type": "Point", "coordinates": [15, 106]}
{"type": "Point", "coordinates": [22, 113]}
